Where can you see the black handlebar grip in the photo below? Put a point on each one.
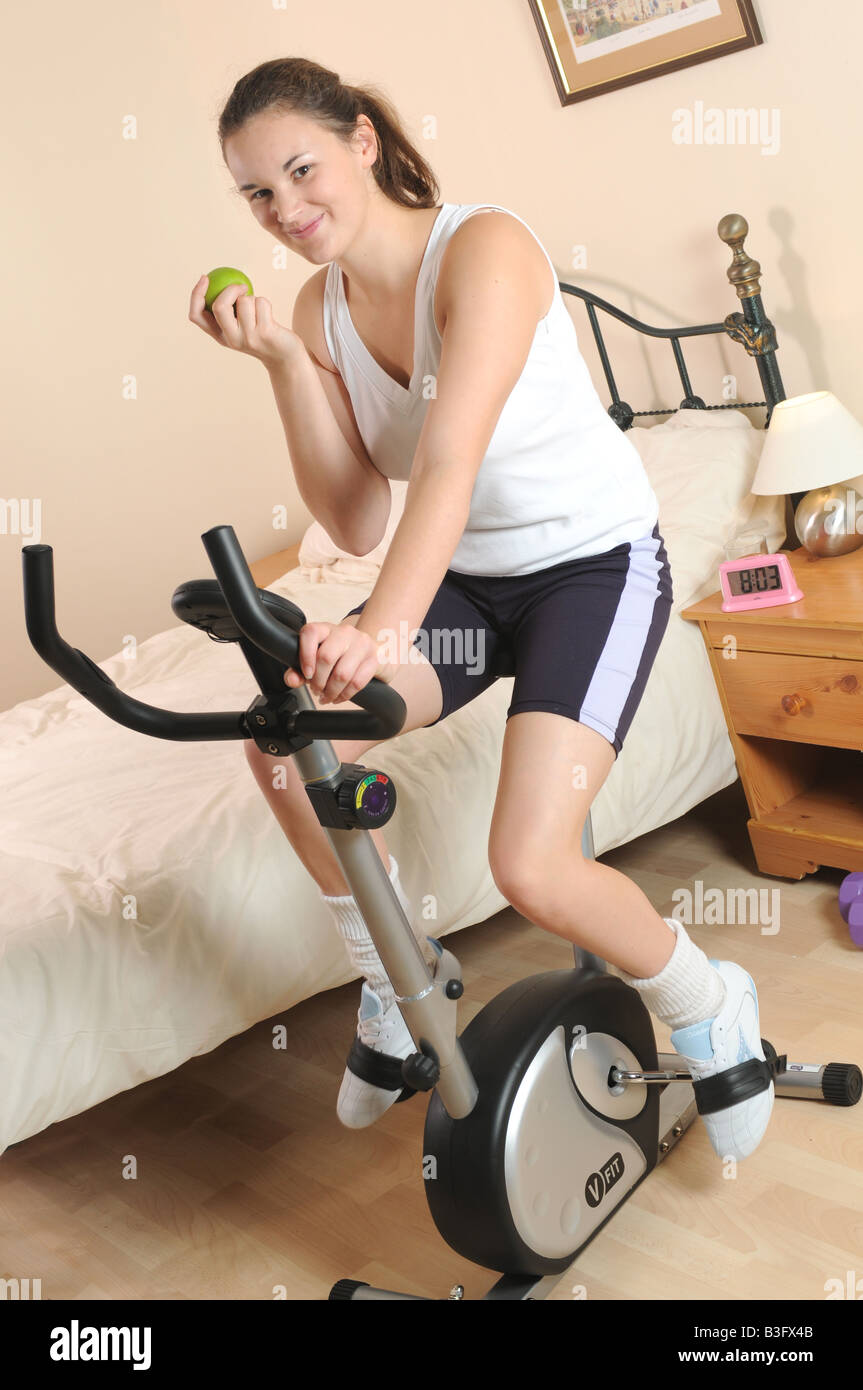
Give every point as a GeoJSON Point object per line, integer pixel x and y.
{"type": "Point", "coordinates": [91, 681]}
{"type": "Point", "coordinates": [40, 618]}
{"type": "Point", "coordinates": [39, 595]}
{"type": "Point", "coordinates": [386, 708]}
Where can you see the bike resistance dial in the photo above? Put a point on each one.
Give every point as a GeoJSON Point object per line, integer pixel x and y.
{"type": "Point", "coordinates": [366, 796]}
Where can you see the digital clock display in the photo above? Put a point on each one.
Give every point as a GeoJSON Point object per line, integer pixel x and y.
{"type": "Point", "coordinates": [760, 579]}
{"type": "Point", "coordinates": [757, 581]}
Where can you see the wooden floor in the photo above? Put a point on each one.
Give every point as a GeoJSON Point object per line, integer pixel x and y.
{"type": "Point", "coordinates": [247, 1182]}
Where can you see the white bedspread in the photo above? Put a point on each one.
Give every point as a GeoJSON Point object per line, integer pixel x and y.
{"type": "Point", "coordinates": [152, 907]}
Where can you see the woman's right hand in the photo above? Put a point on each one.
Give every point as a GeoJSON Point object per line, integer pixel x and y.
{"type": "Point", "coordinates": [252, 330]}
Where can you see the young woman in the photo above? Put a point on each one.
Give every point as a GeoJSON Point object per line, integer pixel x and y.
{"type": "Point", "coordinates": [434, 344]}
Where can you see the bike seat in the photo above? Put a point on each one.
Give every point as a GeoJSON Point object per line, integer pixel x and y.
{"type": "Point", "coordinates": [201, 603]}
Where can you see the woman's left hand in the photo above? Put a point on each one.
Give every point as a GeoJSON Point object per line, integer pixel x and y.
{"type": "Point", "coordinates": [337, 660]}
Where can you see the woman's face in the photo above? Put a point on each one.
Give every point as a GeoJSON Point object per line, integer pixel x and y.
{"type": "Point", "coordinates": [296, 175]}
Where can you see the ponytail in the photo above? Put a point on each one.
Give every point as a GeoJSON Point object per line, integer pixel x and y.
{"type": "Point", "coordinates": [298, 84]}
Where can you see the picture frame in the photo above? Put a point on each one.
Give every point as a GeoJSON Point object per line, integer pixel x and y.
{"type": "Point", "coordinates": [597, 46]}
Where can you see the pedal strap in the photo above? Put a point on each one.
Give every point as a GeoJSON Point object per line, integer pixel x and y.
{"type": "Point", "coordinates": [728, 1088]}
{"type": "Point", "coordinates": [378, 1069]}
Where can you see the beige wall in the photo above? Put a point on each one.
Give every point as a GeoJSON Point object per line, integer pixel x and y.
{"type": "Point", "coordinates": [104, 238]}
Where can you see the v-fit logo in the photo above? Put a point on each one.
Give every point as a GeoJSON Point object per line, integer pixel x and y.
{"type": "Point", "coordinates": [601, 1182]}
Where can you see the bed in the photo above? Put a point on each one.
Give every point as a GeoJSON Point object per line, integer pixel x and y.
{"type": "Point", "coordinates": [152, 907]}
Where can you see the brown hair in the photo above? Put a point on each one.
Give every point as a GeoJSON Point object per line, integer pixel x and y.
{"type": "Point", "coordinates": [298, 84]}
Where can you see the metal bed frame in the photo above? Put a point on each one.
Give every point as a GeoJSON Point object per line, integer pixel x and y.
{"type": "Point", "coordinates": [751, 327]}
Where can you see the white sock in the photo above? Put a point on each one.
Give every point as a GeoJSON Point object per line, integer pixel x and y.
{"type": "Point", "coordinates": [361, 949]}
{"type": "Point", "coordinates": [687, 990]}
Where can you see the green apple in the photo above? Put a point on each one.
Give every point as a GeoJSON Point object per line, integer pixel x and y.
{"type": "Point", "coordinates": [220, 278]}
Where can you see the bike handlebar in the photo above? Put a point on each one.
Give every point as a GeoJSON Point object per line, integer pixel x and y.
{"type": "Point", "coordinates": [385, 708]}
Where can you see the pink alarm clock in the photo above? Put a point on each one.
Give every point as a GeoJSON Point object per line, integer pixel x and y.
{"type": "Point", "coordinates": [757, 581]}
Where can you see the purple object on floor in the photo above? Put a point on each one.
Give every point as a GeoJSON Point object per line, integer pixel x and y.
{"type": "Point", "coordinates": [855, 921]}
{"type": "Point", "coordinates": [850, 891]}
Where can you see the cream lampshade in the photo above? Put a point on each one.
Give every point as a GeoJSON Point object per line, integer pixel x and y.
{"type": "Point", "coordinates": [814, 445]}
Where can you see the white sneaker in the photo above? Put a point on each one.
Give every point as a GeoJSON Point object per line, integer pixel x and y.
{"type": "Point", "coordinates": [730, 1042]}
{"type": "Point", "coordinates": [373, 1081]}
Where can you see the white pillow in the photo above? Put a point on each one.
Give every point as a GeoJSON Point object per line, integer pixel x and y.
{"type": "Point", "coordinates": [701, 465]}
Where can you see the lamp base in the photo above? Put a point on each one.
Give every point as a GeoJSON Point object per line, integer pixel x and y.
{"type": "Point", "coordinates": [829, 520]}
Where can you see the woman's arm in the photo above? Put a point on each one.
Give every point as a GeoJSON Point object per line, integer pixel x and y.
{"type": "Point", "coordinates": [493, 288]}
{"type": "Point", "coordinates": [336, 478]}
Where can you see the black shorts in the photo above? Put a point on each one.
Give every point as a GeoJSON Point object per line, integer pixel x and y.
{"type": "Point", "coordinates": [580, 637]}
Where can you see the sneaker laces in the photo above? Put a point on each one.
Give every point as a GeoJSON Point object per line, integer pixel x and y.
{"type": "Point", "coordinates": [375, 1030]}
{"type": "Point", "coordinates": [378, 1029]}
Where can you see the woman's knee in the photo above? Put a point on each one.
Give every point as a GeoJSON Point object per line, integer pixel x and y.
{"type": "Point", "coordinates": [524, 869]}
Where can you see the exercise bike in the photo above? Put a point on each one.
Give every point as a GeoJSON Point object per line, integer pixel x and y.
{"type": "Point", "coordinates": [553, 1105]}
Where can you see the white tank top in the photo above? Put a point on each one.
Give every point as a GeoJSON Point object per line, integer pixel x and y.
{"type": "Point", "coordinates": [559, 479]}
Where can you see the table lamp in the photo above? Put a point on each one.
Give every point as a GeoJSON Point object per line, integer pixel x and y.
{"type": "Point", "coordinates": [814, 445]}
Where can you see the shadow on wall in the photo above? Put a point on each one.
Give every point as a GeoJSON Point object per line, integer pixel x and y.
{"type": "Point", "coordinates": [797, 319]}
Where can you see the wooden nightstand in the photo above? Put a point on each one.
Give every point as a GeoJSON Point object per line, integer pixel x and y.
{"type": "Point", "coordinates": [271, 567]}
{"type": "Point", "coordinates": [790, 680]}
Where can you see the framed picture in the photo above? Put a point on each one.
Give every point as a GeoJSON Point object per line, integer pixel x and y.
{"type": "Point", "coordinates": [594, 46]}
